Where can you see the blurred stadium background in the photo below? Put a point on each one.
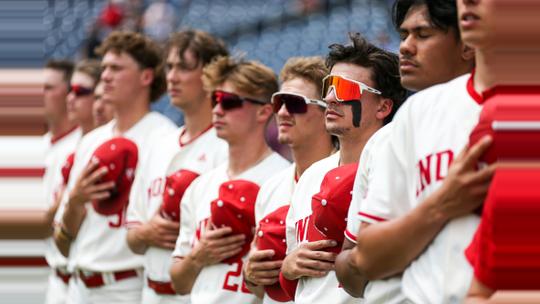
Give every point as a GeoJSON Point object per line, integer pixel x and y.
{"type": "Point", "coordinates": [270, 31]}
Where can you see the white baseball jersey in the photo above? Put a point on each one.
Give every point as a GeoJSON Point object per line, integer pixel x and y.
{"type": "Point", "coordinates": [167, 156]}
{"type": "Point", "coordinates": [101, 244]}
{"type": "Point", "coordinates": [53, 182]}
{"type": "Point", "coordinates": [312, 290]}
{"type": "Point", "coordinates": [428, 132]}
{"type": "Point", "coordinates": [380, 291]}
{"type": "Point", "coordinates": [219, 283]}
{"type": "Point", "coordinates": [275, 193]}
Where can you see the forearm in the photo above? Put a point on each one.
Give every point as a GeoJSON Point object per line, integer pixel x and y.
{"type": "Point", "coordinates": [387, 248]}
{"type": "Point", "coordinates": [353, 281]}
{"type": "Point", "coordinates": [184, 272]}
{"type": "Point", "coordinates": [48, 220]}
{"type": "Point", "coordinates": [136, 240]}
{"type": "Point", "coordinates": [73, 217]}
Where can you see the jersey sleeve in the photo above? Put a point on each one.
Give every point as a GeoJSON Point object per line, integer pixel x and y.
{"type": "Point", "coordinates": [188, 221]}
{"type": "Point", "coordinates": [137, 211]}
{"type": "Point", "coordinates": [389, 180]}
{"type": "Point", "coordinates": [290, 229]}
{"type": "Point", "coordinates": [361, 185]}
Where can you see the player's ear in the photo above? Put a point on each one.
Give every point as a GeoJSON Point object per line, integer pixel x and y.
{"type": "Point", "coordinates": [264, 113]}
{"type": "Point", "coordinates": [147, 76]}
{"type": "Point", "coordinates": [384, 108]}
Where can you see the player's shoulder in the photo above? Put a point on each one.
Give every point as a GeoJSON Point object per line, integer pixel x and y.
{"type": "Point", "coordinates": [97, 135]}
{"type": "Point", "coordinates": [321, 166]}
{"type": "Point", "coordinates": [446, 90]}
{"type": "Point", "coordinates": [284, 176]}
{"type": "Point", "coordinates": [274, 163]}
{"type": "Point", "coordinates": [208, 178]}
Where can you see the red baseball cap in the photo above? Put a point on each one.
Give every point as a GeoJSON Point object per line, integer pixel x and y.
{"type": "Point", "coordinates": [119, 155]}
{"type": "Point", "coordinates": [271, 235]}
{"type": "Point", "coordinates": [175, 186]}
{"type": "Point", "coordinates": [235, 208]}
{"type": "Point", "coordinates": [331, 205]}
{"type": "Point", "coordinates": [66, 167]}
{"type": "Point", "coordinates": [511, 116]}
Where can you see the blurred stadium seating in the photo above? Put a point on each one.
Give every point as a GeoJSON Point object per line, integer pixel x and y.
{"type": "Point", "coordinates": [268, 30]}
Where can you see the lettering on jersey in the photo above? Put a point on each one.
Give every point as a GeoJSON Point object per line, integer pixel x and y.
{"type": "Point", "coordinates": [120, 219]}
{"type": "Point", "coordinates": [156, 187]}
{"type": "Point", "coordinates": [302, 229]}
{"type": "Point", "coordinates": [236, 277]}
{"type": "Point", "coordinates": [433, 168]}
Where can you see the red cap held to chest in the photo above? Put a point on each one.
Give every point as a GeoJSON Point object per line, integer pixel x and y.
{"type": "Point", "coordinates": [66, 167]}
{"type": "Point", "coordinates": [331, 205]}
{"type": "Point", "coordinates": [175, 186]}
{"type": "Point", "coordinates": [119, 155]}
{"type": "Point", "coordinates": [271, 235]}
{"type": "Point", "coordinates": [235, 208]}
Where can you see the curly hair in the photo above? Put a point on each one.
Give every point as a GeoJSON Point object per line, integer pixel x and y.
{"type": "Point", "coordinates": [250, 77]}
{"type": "Point", "coordinates": [144, 51]}
{"type": "Point", "coordinates": [384, 67]}
{"type": "Point", "coordinates": [311, 69]}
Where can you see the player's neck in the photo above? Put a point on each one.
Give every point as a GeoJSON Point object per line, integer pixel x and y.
{"type": "Point", "coordinates": [484, 78]}
{"type": "Point", "coordinates": [127, 116]}
{"type": "Point", "coordinates": [196, 121]}
{"type": "Point", "coordinates": [60, 127]}
{"type": "Point", "coordinates": [509, 66]}
{"type": "Point", "coordinates": [246, 154]}
{"type": "Point", "coordinates": [351, 145]}
{"type": "Point", "coordinates": [306, 154]}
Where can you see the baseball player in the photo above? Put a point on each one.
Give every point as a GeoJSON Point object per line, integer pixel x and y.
{"type": "Point", "coordinates": [185, 153]}
{"type": "Point", "coordinates": [102, 110]}
{"type": "Point", "coordinates": [209, 254]}
{"type": "Point", "coordinates": [428, 29]}
{"type": "Point", "coordinates": [300, 119]}
{"type": "Point", "coordinates": [417, 216]}
{"type": "Point", "coordinates": [60, 141]}
{"type": "Point", "coordinates": [106, 270]}
{"type": "Point", "coordinates": [362, 93]}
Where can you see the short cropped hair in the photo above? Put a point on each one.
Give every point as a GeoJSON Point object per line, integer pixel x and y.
{"type": "Point", "coordinates": [204, 46]}
{"type": "Point", "coordinates": [144, 51]}
{"type": "Point", "coordinates": [90, 67]}
{"type": "Point", "coordinates": [311, 69]}
{"type": "Point", "coordinates": [62, 65]}
{"type": "Point", "coordinates": [384, 67]}
{"type": "Point", "coordinates": [251, 77]}
{"type": "Point", "coordinates": [442, 14]}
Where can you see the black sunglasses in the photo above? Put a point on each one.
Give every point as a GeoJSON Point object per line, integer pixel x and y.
{"type": "Point", "coordinates": [294, 103]}
{"type": "Point", "coordinates": [229, 101]}
{"type": "Point", "coordinates": [80, 91]}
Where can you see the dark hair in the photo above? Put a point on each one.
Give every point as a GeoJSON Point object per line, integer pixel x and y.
{"type": "Point", "coordinates": [62, 65]}
{"type": "Point", "coordinates": [90, 67]}
{"type": "Point", "coordinates": [384, 67]}
{"type": "Point", "coordinates": [441, 13]}
{"type": "Point", "coordinates": [204, 46]}
{"type": "Point", "coordinates": [144, 51]}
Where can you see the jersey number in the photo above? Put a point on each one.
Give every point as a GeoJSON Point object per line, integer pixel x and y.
{"type": "Point", "coordinates": [235, 274]}
{"type": "Point", "coordinates": [120, 219]}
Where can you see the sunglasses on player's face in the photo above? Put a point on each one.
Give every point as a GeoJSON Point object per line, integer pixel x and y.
{"type": "Point", "coordinates": [229, 101]}
{"type": "Point", "coordinates": [345, 89]}
{"type": "Point", "coordinates": [294, 103]}
{"type": "Point", "coordinates": [80, 91]}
